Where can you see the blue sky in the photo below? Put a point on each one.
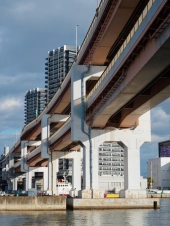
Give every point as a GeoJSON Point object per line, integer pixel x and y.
{"type": "Point", "coordinates": [28, 30]}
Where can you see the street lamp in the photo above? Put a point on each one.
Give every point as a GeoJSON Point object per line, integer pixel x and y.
{"type": "Point", "coordinates": [76, 38]}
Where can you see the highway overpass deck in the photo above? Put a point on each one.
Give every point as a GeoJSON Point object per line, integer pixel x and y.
{"type": "Point", "coordinates": [130, 59]}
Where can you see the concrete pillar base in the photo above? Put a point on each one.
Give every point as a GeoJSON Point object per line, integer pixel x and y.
{"type": "Point", "coordinates": [133, 194]}
{"type": "Point", "coordinates": [74, 193]}
{"type": "Point", "coordinates": [97, 193]}
{"type": "Point", "coordinates": [91, 193]}
{"type": "Point", "coordinates": [48, 192]}
{"type": "Point", "coordinates": [85, 194]}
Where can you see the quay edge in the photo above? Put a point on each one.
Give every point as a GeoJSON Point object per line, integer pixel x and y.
{"type": "Point", "coordinates": [112, 203]}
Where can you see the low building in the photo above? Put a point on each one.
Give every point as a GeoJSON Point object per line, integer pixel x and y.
{"type": "Point", "coordinates": [159, 170]}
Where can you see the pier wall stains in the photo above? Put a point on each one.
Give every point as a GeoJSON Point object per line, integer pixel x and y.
{"type": "Point", "coordinates": [33, 203]}
{"type": "Point", "coordinates": [158, 195]}
{"type": "Point", "coordinates": [112, 203]}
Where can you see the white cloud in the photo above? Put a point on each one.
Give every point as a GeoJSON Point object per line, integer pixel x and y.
{"type": "Point", "coordinates": [159, 113]}
{"type": "Point", "coordinates": [159, 138]}
{"type": "Point", "coordinates": [10, 104]}
{"type": "Point", "coordinates": [160, 120]}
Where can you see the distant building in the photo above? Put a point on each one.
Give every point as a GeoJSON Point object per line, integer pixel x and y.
{"type": "Point", "coordinates": [58, 64]}
{"type": "Point", "coordinates": [111, 159]}
{"type": "Point", "coordinates": [159, 170]}
{"type": "Point", "coordinates": [164, 149]}
{"type": "Point", "coordinates": [35, 102]}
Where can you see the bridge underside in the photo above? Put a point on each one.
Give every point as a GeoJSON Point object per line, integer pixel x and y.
{"type": "Point", "coordinates": [107, 31]}
{"type": "Point", "coordinates": [145, 80]}
{"type": "Point", "coordinates": [37, 160]}
{"type": "Point", "coordinates": [134, 97]}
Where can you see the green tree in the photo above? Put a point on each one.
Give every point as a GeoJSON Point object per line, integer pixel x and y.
{"type": "Point", "coordinates": [150, 182]}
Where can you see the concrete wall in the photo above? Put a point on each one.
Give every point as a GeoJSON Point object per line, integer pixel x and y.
{"type": "Point", "coordinates": [33, 203]}
{"type": "Point", "coordinates": [158, 195]}
{"type": "Point", "coordinates": [112, 203]}
{"type": "Point", "coordinates": [116, 183]}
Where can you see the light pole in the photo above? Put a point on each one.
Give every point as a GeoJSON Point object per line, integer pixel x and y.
{"type": "Point", "coordinates": [76, 38]}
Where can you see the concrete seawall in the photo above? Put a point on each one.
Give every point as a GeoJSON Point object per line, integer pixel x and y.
{"type": "Point", "coordinates": [111, 203]}
{"type": "Point", "coordinates": [33, 203]}
{"type": "Point", "coordinates": [48, 203]}
{"type": "Point", "coordinates": [158, 195]}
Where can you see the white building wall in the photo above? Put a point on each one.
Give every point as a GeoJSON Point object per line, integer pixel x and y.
{"type": "Point", "coordinates": [159, 170]}
{"type": "Point", "coordinates": [116, 183]}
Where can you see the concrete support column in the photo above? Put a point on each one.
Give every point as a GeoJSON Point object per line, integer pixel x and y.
{"type": "Point", "coordinates": [10, 185]}
{"type": "Point", "coordinates": [49, 176]}
{"type": "Point", "coordinates": [28, 179]}
{"type": "Point", "coordinates": [76, 172]}
{"type": "Point", "coordinates": [86, 168]}
{"type": "Point", "coordinates": [132, 141]}
{"type": "Point", "coordinates": [23, 155]}
{"type": "Point", "coordinates": [15, 183]}
{"type": "Point", "coordinates": [55, 169]}
{"type": "Point", "coordinates": [45, 133]}
{"type": "Point", "coordinates": [79, 128]}
{"type": "Point", "coordinates": [95, 168]}
{"type": "Point", "coordinates": [131, 168]}
{"type": "Point", "coordinates": [45, 180]}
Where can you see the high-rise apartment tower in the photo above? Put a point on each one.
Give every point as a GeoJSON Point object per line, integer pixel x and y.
{"type": "Point", "coordinates": [35, 102]}
{"type": "Point", "coordinates": [58, 64]}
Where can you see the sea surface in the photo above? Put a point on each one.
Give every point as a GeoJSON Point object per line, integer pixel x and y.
{"type": "Point", "coordinates": [89, 217]}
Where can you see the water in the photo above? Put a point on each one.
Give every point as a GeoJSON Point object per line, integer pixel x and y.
{"type": "Point", "coordinates": [90, 217]}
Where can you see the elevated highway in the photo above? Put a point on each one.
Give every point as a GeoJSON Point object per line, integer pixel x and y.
{"type": "Point", "coordinates": [131, 81]}
{"type": "Point", "coordinates": [130, 85]}
{"type": "Point", "coordinates": [107, 15]}
{"type": "Point", "coordinates": [119, 81]}
{"type": "Point", "coordinates": [120, 73]}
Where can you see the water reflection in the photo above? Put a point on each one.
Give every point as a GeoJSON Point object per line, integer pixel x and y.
{"type": "Point", "coordinates": [89, 218]}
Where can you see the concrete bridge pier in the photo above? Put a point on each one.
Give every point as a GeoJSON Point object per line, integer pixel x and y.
{"type": "Point", "coordinates": [15, 184]}
{"type": "Point", "coordinates": [53, 168]}
{"type": "Point", "coordinates": [31, 173]}
{"type": "Point", "coordinates": [90, 163]}
{"type": "Point", "coordinates": [80, 130]}
{"type": "Point", "coordinates": [10, 184]}
{"type": "Point", "coordinates": [131, 140]}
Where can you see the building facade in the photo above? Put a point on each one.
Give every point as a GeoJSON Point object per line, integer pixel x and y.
{"type": "Point", "coordinates": [111, 159]}
{"type": "Point", "coordinates": [35, 102]}
{"type": "Point", "coordinates": [159, 170]}
{"type": "Point", "coordinates": [57, 66]}
{"type": "Point", "coordinates": [116, 183]}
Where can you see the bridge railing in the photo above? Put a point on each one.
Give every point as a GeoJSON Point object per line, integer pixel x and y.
{"type": "Point", "coordinates": [120, 51]}
{"type": "Point", "coordinates": [89, 32]}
